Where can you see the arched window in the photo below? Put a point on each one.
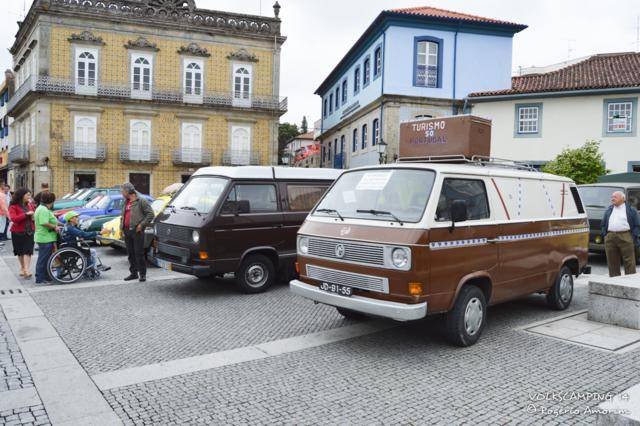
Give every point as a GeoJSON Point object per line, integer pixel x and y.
{"type": "Point", "coordinates": [376, 132]}
{"type": "Point", "coordinates": [86, 71]}
{"type": "Point", "coordinates": [140, 140]}
{"type": "Point", "coordinates": [366, 70]}
{"type": "Point", "coordinates": [84, 143]}
{"type": "Point", "coordinates": [193, 81]}
{"type": "Point", "coordinates": [356, 81]}
{"type": "Point", "coordinates": [240, 145]}
{"type": "Point", "coordinates": [364, 136]}
{"type": "Point", "coordinates": [242, 84]}
{"type": "Point", "coordinates": [192, 142]}
{"type": "Point", "coordinates": [427, 66]}
{"type": "Point", "coordinates": [141, 76]}
{"type": "Point", "coordinates": [354, 147]}
{"type": "Point", "coordinates": [377, 62]}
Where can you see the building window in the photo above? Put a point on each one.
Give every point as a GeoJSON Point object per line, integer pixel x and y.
{"type": "Point", "coordinates": [84, 142]}
{"type": "Point", "coordinates": [428, 56]}
{"type": "Point", "coordinates": [377, 62]}
{"type": "Point", "coordinates": [191, 149]}
{"type": "Point", "coordinates": [325, 109]}
{"type": "Point", "coordinates": [366, 70]}
{"type": "Point", "coordinates": [331, 103]}
{"type": "Point", "coordinates": [620, 117]}
{"type": "Point", "coordinates": [329, 152]}
{"type": "Point", "coordinates": [354, 146]}
{"type": "Point", "coordinates": [193, 81]}
{"type": "Point", "coordinates": [242, 85]}
{"type": "Point", "coordinates": [345, 87]}
{"type": "Point", "coordinates": [337, 97]}
{"type": "Point", "coordinates": [241, 145]}
{"type": "Point", "coordinates": [141, 76]}
{"type": "Point", "coordinates": [364, 136]}
{"type": "Point", "coordinates": [140, 140]}
{"type": "Point", "coordinates": [376, 132]}
{"type": "Point", "coordinates": [356, 81]}
{"type": "Point", "coordinates": [87, 71]}
{"type": "Point", "coordinates": [528, 120]}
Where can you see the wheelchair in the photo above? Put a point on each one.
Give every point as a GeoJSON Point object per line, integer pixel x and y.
{"type": "Point", "coordinates": [71, 262]}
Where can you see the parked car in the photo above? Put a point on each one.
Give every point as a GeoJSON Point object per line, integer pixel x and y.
{"type": "Point", "coordinates": [239, 219]}
{"type": "Point", "coordinates": [408, 240]}
{"type": "Point", "coordinates": [109, 207]}
{"type": "Point", "coordinates": [83, 198]}
{"type": "Point", "coordinates": [596, 198]}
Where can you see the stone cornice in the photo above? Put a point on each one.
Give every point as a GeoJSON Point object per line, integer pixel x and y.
{"type": "Point", "coordinates": [141, 43]}
{"type": "Point", "coordinates": [242, 55]}
{"type": "Point", "coordinates": [166, 14]}
{"type": "Point", "coordinates": [86, 37]}
{"type": "Point", "coordinates": [192, 49]}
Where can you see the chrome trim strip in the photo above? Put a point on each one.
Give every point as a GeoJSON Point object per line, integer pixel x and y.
{"type": "Point", "coordinates": [443, 245]}
{"type": "Point", "coordinates": [380, 308]}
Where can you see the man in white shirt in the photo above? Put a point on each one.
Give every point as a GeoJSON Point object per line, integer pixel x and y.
{"type": "Point", "coordinates": [620, 232]}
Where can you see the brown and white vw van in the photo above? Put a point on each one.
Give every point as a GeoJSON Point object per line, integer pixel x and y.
{"type": "Point", "coordinates": [241, 220]}
{"type": "Point", "coordinates": [408, 240]}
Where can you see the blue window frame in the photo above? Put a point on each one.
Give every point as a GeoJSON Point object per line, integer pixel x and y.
{"type": "Point", "coordinates": [331, 103]}
{"type": "Point", "coordinates": [337, 98]}
{"type": "Point", "coordinates": [377, 62]}
{"type": "Point", "coordinates": [376, 132]}
{"type": "Point", "coordinates": [329, 152]}
{"type": "Point", "coordinates": [345, 87]}
{"type": "Point", "coordinates": [354, 147]}
{"type": "Point", "coordinates": [364, 136]}
{"type": "Point", "coordinates": [356, 80]}
{"type": "Point", "coordinates": [528, 121]}
{"type": "Point", "coordinates": [427, 62]}
{"type": "Point", "coordinates": [366, 72]}
{"type": "Point", "coordinates": [619, 117]}
{"type": "Point", "coordinates": [324, 108]}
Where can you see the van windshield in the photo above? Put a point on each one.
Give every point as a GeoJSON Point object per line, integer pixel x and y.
{"type": "Point", "coordinates": [200, 194]}
{"type": "Point", "coordinates": [94, 201]}
{"type": "Point", "coordinates": [597, 196]}
{"type": "Point", "coordinates": [383, 194]}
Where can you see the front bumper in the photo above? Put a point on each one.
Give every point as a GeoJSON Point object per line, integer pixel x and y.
{"type": "Point", "coordinates": [200, 271]}
{"type": "Point", "coordinates": [379, 308]}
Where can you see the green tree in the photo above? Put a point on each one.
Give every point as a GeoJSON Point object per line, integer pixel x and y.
{"type": "Point", "coordinates": [583, 164]}
{"type": "Point", "coordinates": [286, 131]}
{"type": "Point", "coordinates": [305, 126]}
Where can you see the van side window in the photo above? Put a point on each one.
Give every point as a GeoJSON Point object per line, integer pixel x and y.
{"type": "Point", "coordinates": [302, 198]}
{"type": "Point", "coordinates": [633, 197]}
{"type": "Point", "coordinates": [261, 198]}
{"type": "Point", "coordinates": [576, 199]}
{"type": "Point", "coordinates": [471, 191]}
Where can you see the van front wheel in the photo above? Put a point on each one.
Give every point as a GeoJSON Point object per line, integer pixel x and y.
{"type": "Point", "coordinates": [256, 274]}
{"type": "Point", "coordinates": [560, 295]}
{"type": "Point", "coordinates": [466, 320]}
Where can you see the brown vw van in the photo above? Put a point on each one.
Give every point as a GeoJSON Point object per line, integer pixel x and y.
{"type": "Point", "coordinates": [239, 219]}
{"type": "Point", "coordinates": [408, 240]}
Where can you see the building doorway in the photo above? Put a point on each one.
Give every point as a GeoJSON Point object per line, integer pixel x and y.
{"type": "Point", "coordinates": [142, 182]}
{"type": "Point", "coordinates": [84, 180]}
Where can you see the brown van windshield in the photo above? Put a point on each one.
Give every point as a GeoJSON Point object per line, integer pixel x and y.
{"type": "Point", "coordinates": [200, 194]}
{"type": "Point", "coordinates": [379, 194]}
{"type": "Point", "coordinates": [597, 196]}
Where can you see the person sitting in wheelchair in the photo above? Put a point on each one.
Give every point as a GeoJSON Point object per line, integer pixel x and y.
{"type": "Point", "coordinates": [72, 234]}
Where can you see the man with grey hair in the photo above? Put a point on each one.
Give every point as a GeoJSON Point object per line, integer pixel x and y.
{"type": "Point", "coordinates": [136, 216]}
{"type": "Point", "coordinates": [620, 230]}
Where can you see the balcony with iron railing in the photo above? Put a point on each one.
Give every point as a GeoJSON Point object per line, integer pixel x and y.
{"type": "Point", "coordinates": [73, 151]}
{"type": "Point", "coordinates": [68, 87]}
{"type": "Point", "coordinates": [240, 158]}
{"type": "Point", "coordinates": [133, 154]}
{"type": "Point", "coordinates": [191, 157]}
{"type": "Point", "coordinates": [19, 154]}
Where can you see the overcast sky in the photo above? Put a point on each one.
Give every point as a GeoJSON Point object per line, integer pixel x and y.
{"type": "Point", "coordinates": [321, 31]}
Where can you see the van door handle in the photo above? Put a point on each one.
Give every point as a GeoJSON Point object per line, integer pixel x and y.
{"type": "Point", "coordinates": [279, 226]}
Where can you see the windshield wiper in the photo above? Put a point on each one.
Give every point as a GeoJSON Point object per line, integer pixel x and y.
{"type": "Point", "coordinates": [381, 213]}
{"type": "Point", "coordinates": [193, 209]}
{"type": "Point", "coordinates": [593, 205]}
{"type": "Point", "coordinates": [331, 211]}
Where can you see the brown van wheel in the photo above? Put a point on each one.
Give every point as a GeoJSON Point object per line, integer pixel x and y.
{"type": "Point", "coordinates": [256, 274]}
{"type": "Point", "coordinates": [561, 294]}
{"type": "Point", "coordinates": [466, 320]}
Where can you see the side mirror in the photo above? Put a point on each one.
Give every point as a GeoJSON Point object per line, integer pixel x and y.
{"type": "Point", "coordinates": [243, 207]}
{"type": "Point", "coordinates": [458, 212]}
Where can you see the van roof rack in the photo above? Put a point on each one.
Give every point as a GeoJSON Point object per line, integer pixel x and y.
{"type": "Point", "coordinates": [477, 160]}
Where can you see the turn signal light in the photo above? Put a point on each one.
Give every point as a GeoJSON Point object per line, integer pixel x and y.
{"type": "Point", "coordinates": [297, 268]}
{"type": "Point", "coordinates": [204, 255]}
{"type": "Point", "coordinates": [415, 289]}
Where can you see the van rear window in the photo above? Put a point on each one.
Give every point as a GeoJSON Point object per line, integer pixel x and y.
{"type": "Point", "coordinates": [576, 199]}
{"type": "Point", "coordinates": [302, 198]}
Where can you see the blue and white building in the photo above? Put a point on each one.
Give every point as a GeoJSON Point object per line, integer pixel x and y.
{"type": "Point", "coordinates": [409, 63]}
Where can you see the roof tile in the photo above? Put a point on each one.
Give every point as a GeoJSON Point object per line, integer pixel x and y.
{"type": "Point", "coordinates": [435, 12]}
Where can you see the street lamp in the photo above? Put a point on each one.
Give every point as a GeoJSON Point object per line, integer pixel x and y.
{"type": "Point", "coordinates": [382, 151]}
{"type": "Point", "coordinates": [285, 159]}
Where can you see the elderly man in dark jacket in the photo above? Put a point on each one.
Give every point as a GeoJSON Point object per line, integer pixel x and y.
{"type": "Point", "coordinates": [620, 229]}
{"type": "Point", "coordinates": [137, 214]}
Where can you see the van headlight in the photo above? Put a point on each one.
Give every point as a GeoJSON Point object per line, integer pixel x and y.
{"type": "Point", "coordinates": [303, 245]}
{"type": "Point", "coordinates": [400, 257]}
{"type": "Point", "coordinates": [195, 236]}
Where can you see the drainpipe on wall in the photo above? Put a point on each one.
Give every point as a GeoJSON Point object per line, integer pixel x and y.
{"type": "Point", "coordinates": [384, 57]}
{"type": "Point", "coordinates": [455, 70]}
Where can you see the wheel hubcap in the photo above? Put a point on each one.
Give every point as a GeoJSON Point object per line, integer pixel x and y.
{"type": "Point", "coordinates": [473, 316]}
{"type": "Point", "coordinates": [256, 275]}
{"type": "Point", "coordinates": [566, 288]}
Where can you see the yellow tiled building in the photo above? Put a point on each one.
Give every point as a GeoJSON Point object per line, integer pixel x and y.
{"type": "Point", "coordinates": [141, 90]}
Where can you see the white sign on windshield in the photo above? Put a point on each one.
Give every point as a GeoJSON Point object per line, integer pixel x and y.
{"type": "Point", "coordinates": [373, 181]}
{"type": "Point", "coordinates": [349, 197]}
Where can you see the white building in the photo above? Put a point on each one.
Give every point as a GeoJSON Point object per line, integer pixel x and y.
{"type": "Point", "coordinates": [543, 113]}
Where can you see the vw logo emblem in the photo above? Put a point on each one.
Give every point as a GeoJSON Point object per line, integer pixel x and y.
{"type": "Point", "coordinates": [345, 231]}
{"type": "Point", "coordinates": [340, 251]}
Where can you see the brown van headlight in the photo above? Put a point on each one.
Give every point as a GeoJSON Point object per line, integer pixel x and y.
{"type": "Point", "coordinates": [195, 236]}
{"type": "Point", "coordinates": [303, 245]}
{"type": "Point", "coordinates": [400, 257]}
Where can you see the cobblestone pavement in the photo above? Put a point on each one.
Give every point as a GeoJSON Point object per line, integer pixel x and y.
{"type": "Point", "coordinates": [27, 416]}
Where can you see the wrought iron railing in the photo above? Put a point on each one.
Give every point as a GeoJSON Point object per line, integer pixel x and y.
{"type": "Point", "coordinates": [72, 151]}
{"type": "Point", "coordinates": [19, 154]}
{"type": "Point", "coordinates": [133, 154]}
{"type": "Point", "coordinates": [240, 158]}
{"type": "Point", "coordinates": [192, 156]}
{"type": "Point", "coordinates": [65, 86]}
